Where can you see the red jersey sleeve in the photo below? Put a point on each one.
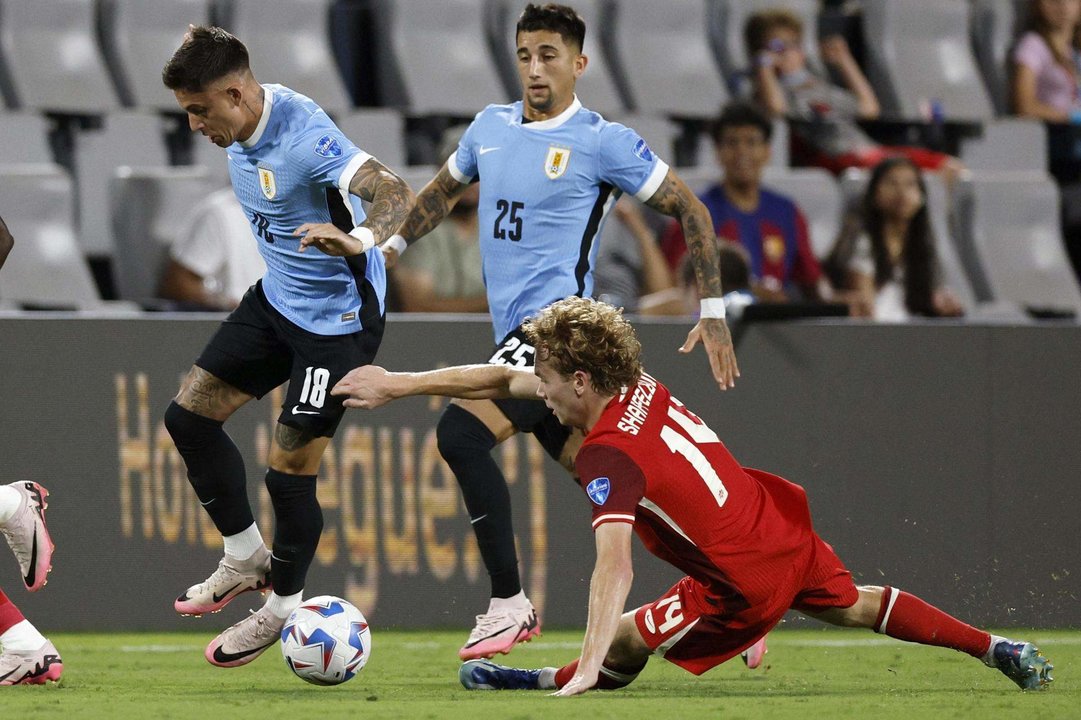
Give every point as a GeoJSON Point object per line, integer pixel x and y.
{"type": "Point", "coordinates": [807, 270]}
{"type": "Point", "coordinates": [613, 482]}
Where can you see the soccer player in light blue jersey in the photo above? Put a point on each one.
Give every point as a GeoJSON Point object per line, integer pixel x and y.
{"type": "Point", "coordinates": [317, 313]}
{"type": "Point", "coordinates": [549, 172]}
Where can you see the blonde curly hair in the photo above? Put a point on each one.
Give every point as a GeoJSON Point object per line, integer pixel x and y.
{"type": "Point", "coordinates": [589, 335]}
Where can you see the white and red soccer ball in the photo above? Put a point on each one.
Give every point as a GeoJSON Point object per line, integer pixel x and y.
{"type": "Point", "coordinates": [326, 640]}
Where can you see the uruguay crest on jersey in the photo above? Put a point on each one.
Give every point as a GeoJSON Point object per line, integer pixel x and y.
{"type": "Point", "coordinates": [557, 161]}
{"type": "Point", "coordinates": [266, 182]}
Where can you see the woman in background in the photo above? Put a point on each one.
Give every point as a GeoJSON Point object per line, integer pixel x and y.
{"type": "Point", "coordinates": [1046, 63]}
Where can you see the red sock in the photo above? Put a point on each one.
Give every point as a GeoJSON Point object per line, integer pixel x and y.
{"type": "Point", "coordinates": [609, 679]}
{"type": "Point", "coordinates": [9, 614]}
{"type": "Point", "coordinates": [906, 617]}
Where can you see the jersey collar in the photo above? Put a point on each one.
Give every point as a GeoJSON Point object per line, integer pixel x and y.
{"type": "Point", "coordinates": [268, 102]}
{"type": "Point", "coordinates": [552, 123]}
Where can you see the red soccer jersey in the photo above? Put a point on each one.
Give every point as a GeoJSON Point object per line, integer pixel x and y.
{"type": "Point", "coordinates": [742, 533]}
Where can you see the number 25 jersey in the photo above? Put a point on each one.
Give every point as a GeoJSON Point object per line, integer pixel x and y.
{"type": "Point", "coordinates": [545, 189]}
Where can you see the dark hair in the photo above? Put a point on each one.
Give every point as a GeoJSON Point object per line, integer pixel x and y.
{"type": "Point", "coordinates": [207, 54]}
{"type": "Point", "coordinates": [556, 18]}
{"type": "Point", "coordinates": [759, 26]}
{"type": "Point", "coordinates": [740, 114]}
{"type": "Point", "coordinates": [918, 256]}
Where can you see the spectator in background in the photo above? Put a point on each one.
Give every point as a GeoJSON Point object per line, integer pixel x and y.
{"type": "Point", "coordinates": [683, 299]}
{"type": "Point", "coordinates": [1046, 63]}
{"type": "Point", "coordinates": [215, 258]}
{"type": "Point", "coordinates": [767, 224]}
{"type": "Point", "coordinates": [443, 273]}
{"type": "Point", "coordinates": [884, 261]}
{"type": "Point", "coordinates": [827, 132]}
{"type": "Point", "coordinates": [632, 268]}
{"type": "Point", "coordinates": [6, 242]}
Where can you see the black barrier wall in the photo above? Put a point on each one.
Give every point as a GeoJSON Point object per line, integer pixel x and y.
{"type": "Point", "coordinates": [940, 459]}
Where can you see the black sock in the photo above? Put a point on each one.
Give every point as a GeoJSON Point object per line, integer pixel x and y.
{"type": "Point", "coordinates": [215, 468]}
{"type": "Point", "coordinates": [466, 444]}
{"type": "Point", "coordinates": [298, 523]}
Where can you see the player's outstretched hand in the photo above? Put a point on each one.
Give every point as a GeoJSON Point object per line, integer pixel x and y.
{"type": "Point", "coordinates": [328, 238]}
{"type": "Point", "coordinates": [714, 334]}
{"type": "Point", "coordinates": [366, 387]}
{"type": "Point", "coordinates": [577, 685]}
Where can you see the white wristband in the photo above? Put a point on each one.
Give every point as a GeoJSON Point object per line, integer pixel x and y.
{"type": "Point", "coordinates": [396, 243]}
{"type": "Point", "coordinates": [712, 308]}
{"type": "Point", "coordinates": [366, 237]}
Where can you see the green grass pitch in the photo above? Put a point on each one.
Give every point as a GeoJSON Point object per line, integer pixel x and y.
{"type": "Point", "coordinates": [808, 674]}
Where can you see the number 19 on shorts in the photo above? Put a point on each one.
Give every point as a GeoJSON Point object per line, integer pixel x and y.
{"type": "Point", "coordinates": [314, 392]}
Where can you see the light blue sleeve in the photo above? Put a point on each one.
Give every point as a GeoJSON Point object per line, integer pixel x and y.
{"type": "Point", "coordinates": [325, 155]}
{"type": "Point", "coordinates": [626, 161]}
{"type": "Point", "coordinates": [463, 163]}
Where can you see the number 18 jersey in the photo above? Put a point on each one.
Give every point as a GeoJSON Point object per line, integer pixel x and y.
{"type": "Point", "coordinates": [545, 189]}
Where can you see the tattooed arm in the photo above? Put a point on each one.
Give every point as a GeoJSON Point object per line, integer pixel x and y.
{"type": "Point", "coordinates": [675, 199]}
{"type": "Point", "coordinates": [390, 198]}
{"type": "Point", "coordinates": [432, 205]}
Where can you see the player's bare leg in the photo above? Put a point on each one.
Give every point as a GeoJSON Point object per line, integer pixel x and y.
{"type": "Point", "coordinates": [216, 472]}
{"type": "Point", "coordinates": [906, 617]}
{"type": "Point", "coordinates": [467, 433]}
{"type": "Point", "coordinates": [295, 457]}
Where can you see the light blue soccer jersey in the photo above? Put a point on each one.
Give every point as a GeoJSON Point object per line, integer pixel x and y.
{"type": "Point", "coordinates": [295, 169]}
{"type": "Point", "coordinates": [545, 189]}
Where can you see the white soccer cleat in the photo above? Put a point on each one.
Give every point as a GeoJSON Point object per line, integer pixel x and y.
{"type": "Point", "coordinates": [499, 630]}
{"type": "Point", "coordinates": [28, 536]}
{"type": "Point", "coordinates": [245, 641]}
{"type": "Point", "coordinates": [232, 578]}
{"type": "Point", "coordinates": [31, 668]}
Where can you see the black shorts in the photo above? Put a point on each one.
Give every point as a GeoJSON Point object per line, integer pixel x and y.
{"type": "Point", "coordinates": [256, 349]}
{"type": "Point", "coordinates": [531, 416]}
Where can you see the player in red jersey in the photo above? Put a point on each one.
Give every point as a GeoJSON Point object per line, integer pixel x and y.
{"type": "Point", "coordinates": [648, 464]}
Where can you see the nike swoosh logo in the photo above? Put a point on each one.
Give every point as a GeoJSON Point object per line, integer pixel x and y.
{"type": "Point", "coordinates": [204, 504]}
{"type": "Point", "coordinates": [493, 634]}
{"type": "Point", "coordinates": [29, 579]}
{"type": "Point", "coordinates": [219, 598]}
{"type": "Point", "coordinates": [224, 657]}
{"type": "Point", "coordinates": [485, 151]}
{"type": "Point", "coordinates": [303, 412]}
{"type": "Point", "coordinates": [474, 521]}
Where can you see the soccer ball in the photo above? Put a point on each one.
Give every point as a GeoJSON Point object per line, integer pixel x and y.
{"type": "Point", "coordinates": [326, 640]}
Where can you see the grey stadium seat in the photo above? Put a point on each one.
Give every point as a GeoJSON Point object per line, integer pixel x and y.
{"type": "Point", "coordinates": [289, 44]}
{"type": "Point", "coordinates": [25, 138]}
{"type": "Point", "coordinates": [140, 37]}
{"type": "Point", "coordinates": [378, 132]}
{"type": "Point", "coordinates": [434, 57]}
{"type": "Point", "coordinates": [662, 49]}
{"type": "Point", "coordinates": [598, 88]}
{"type": "Point", "coordinates": [148, 207]}
{"type": "Point", "coordinates": [817, 195]}
{"type": "Point", "coordinates": [919, 52]}
{"type": "Point", "coordinates": [45, 268]}
{"type": "Point", "coordinates": [127, 138]}
{"type": "Point", "coordinates": [1015, 230]}
{"type": "Point", "coordinates": [728, 18]}
{"type": "Point", "coordinates": [51, 51]}
{"type": "Point", "coordinates": [1008, 144]}
{"type": "Point", "coordinates": [994, 25]}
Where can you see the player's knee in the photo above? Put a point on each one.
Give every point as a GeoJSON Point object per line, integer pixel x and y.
{"type": "Point", "coordinates": [188, 429]}
{"type": "Point", "coordinates": [460, 435]}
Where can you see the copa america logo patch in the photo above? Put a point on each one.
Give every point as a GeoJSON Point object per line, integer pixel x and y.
{"type": "Point", "coordinates": [328, 146]}
{"type": "Point", "coordinates": [598, 490]}
{"type": "Point", "coordinates": [641, 149]}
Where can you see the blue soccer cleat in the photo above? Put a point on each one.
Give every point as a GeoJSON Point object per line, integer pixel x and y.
{"type": "Point", "coordinates": [486, 675]}
{"type": "Point", "coordinates": [1023, 663]}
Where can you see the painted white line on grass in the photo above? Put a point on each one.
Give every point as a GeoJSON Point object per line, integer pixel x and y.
{"type": "Point", "coordinates": [159, 648]}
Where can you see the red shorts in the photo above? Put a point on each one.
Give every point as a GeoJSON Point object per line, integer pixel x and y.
{"type": "Point", "coordinates": [685, 628]}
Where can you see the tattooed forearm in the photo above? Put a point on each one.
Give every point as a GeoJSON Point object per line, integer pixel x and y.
{"type": "Point", "coordinates": [290, 438]}
{"type": "Point", "coordinates": [432, 205]}
{"type": "Point", "coordinates": [389, 195]}
{"type": "Point", "coordinates": [675, 199]}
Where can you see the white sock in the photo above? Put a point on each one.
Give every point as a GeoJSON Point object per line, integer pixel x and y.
{"type": "Point", "coordinates": [22, 637]}
{"type": "Point", "coordinates": [989, 658]}
{"type": "Point", "coordinates": [9, 502]}
{"type": "Point", "coordinates": [282, 605]}
{"type": "Point", "coordinates": [244, 544]}
{"type": "Point", "coordinates": [513, 602]}
{"type": "Point", "coordinates": [547, 679]}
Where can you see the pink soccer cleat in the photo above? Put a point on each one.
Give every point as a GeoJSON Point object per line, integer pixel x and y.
{"type": "Point", "coordinates": [499, 630]}
{"type": "Point", "coordinates": [753, 655]}
{"type": "Point", "coordinates": [31, 668]}
{"type": "Point", "coordinates": [246, 640]}
{"type": "Point", "coordinates": [28, 536]}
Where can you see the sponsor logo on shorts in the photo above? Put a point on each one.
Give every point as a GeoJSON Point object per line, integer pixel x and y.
{"type": "Point", "coordinates": [598, 490]}
{"type": "Point", "coordinates": [328, 146]}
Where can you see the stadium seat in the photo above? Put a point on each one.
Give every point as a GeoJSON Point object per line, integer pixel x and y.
{"type": "Point", "coordinates": [1008, 144]}
{"type": "Point", "coordinates": [126, 138]}
{"type": "Point", "coordinates": [46, 268]}
{"type": "Point", "coordinates": [140, 37]}
{"type": "Point", "coordinates": [728, 18]}
{"type": "Point", "coordinates": [598, 89]}
{"type": "Point", "coordinates": [658, 132]}
{"type": "Point", "coordinates": [994, 25]}
{"type": "Point", "coordinates": [51, 52]}
{"type": "Point", "coordinates": [377, 131]}
{"type": "Point", "coordinates": [289, 44]}
{"type": "Point", "coordinates": [25, 138]}
{"type": "Point", "coordinates": [662, 49]}
{"type": "Point", "coordinates": [434, 57]}
{"type": "Point", "coordinates": [817, 195]}
{"type": "Point", "coordinates": [920, 53]}
{"type": "Point", "coordinates": [1015, 231]}
{"type": "Point", "coordinates": [148, 207]}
